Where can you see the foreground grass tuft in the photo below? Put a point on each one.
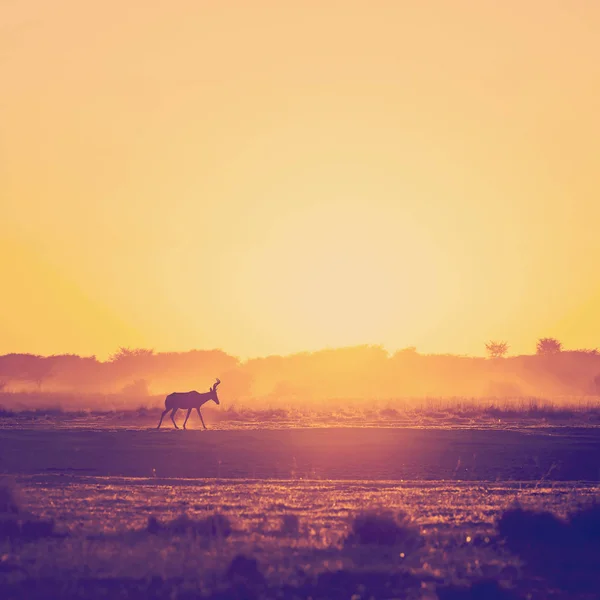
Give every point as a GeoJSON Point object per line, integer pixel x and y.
{"type": "Point", "coordinates": [523, 529]}
{"type": "Point", "coordinates": [244, 570]}
{"type": "Point", "coordinates": [481, 590]}
{"type": "Point", "coordinates": [290, 525]}
{"type": "Point", "coordinates": [213, 526]}
{"type": "Point", "coordinates": [8, 500]}
{"type": "Point", "coordinates": [585, 525]}
{"type": "Point", "coordinates": [18, 524]}
{"type": "Point", "coordinates": [384, 529]}
{"type": "Point", "coordinates": [564, 552]}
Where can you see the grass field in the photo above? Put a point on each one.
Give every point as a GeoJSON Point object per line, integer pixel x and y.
{"type": "Point", "coordinates": [68, 411]}
{"type": "Point", "coordinates": [117, 512]}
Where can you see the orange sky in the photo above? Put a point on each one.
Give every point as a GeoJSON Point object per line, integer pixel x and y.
{"type": "Point", "coordinates": [268, 177]}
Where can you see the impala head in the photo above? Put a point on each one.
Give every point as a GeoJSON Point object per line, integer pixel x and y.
{"type": "Point", "coordinates": [213, 391]}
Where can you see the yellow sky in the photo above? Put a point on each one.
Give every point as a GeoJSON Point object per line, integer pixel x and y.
{"type": "Point", "coordinates": [269, 177]}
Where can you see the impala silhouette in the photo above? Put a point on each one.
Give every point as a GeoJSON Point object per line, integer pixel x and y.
{"type": "Point", "coordinates": [189, 400]}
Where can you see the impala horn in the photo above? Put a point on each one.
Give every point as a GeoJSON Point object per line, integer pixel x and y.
{"type": "Point", "coordinates": [214, 387]}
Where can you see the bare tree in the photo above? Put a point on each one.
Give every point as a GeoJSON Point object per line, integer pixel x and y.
{"type": "Point", "coordinates": [547, 346]}
{"type": "Point", "coordinates": [496, 349]}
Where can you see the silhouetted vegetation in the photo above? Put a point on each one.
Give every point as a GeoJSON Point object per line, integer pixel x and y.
{"type": "Point", "coordinates": [548, 346]}
{"type": "Point", "coordinates": [481, 590]}
{"type": "Point", "coordinates": [384, 529]}
{"type": "Point", "coordinates": [564, 551]}
{"type": "Point", "coordinates": [290, 525]}
{"type": "Point", "coordinates": [17, 524]}
{"type": "Point", "coordinates": [8, 501]}
{"type": "Point", "coordinates": [213, 526]}
{"type": "Point", "coordinates": [453, 556]}
{"type": "Point", "coordinates": [244, 570]}
{"type": "Point", "coordinates": [496, 349]}
{"type": "Point", "coordinates": [134, 378]}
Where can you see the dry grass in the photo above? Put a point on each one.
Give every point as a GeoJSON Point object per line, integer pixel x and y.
{"type": "Point", "coordinates": [420, 541]}
{"type": "Point", "coordinates": [50, 409]}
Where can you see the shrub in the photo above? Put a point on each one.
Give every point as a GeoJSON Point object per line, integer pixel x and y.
{"type": "Point", "coordinates": [384, 529]}
{"type": "Point", "coordinates": [290, 525]}
{"type": "Point", "coordinates": [566, 553]}
{"type": "Point", "coordinates": [32, 529]}
{"type": "Point", "coordinates": [496, 349]}
{"type": "Point", "coordinates": [29, 529]}
{"type": "Point", "coordinates": [217, 526]}
{"type": "Point", "coordinates": [14, 523]}
{"type": "Point", "coordinates": [547, 346]}
{"type": "Point", "coordinates": [8, 502]}
{"type": "Point", "coordinates": [522, 529]}
{"type": "Point", "coordinates": [244, 570]}
{"type": "Point", "coordinates": [585, 525]}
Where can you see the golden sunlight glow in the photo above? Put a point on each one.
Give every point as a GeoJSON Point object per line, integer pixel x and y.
{"type": "Point", "coordinates": [271, 177]}
{"type": "Point", "coordinates": [334, 276]}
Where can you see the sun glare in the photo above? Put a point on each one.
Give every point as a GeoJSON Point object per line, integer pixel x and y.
{"type": "Point", "coordinates": [332, 278]}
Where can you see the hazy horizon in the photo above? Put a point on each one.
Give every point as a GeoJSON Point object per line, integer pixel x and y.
{"type": "Point", "coordinates": [389, 351]}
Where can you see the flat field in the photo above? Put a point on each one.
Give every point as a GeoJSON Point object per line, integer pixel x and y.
{"type": "Point", "coordinates": [289, 513]}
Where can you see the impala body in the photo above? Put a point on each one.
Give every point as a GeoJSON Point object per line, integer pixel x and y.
{"type": "Point", "coordinates": [189, 401]}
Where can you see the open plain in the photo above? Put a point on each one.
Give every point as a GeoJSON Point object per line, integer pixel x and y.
{"type": "Point", "coordinates": [128, 511]}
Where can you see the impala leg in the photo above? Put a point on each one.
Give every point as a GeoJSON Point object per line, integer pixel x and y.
{"type": "Point", "coordinates": [162, 416]}
{"type": "Point", "coordinates": [187, 417]}
{"type": "Point", "coordinates": [200, 415]}
{"type": "Point", "coordinates": [172, 417]}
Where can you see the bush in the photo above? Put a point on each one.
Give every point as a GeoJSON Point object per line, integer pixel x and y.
{"type": "Point", "coordinates": [522, 529]}
{"type": "Point", "coordinates": [29, 529]}
{"type": "Point", "coordinates": [244, 570]}
{"type": "Point", "coordinates": [290, 525]}
{"type": "Point", "coordinates": [548, 346]}
{"type": "Point", "coordinates": [384, 529]}
{"type": "Point", "coordinates": [17, 524]}
{"type": "Point", "coordinates": [496, 349]}
{"type": "Point", "coordinates": [565, 552]}
{"type": "Point", "coordinates": [585, 525]}
{"type": "Point", "coordinates": [216, 526]}
{"type": "Point", "coordinates": [8, 501]}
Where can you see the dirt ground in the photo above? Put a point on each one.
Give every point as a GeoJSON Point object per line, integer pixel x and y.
{"type": "Point", "coordinates": [562, 454]}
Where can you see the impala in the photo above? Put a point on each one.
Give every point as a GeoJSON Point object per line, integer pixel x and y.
{"type": "Point", "coordinates": [189, 400]}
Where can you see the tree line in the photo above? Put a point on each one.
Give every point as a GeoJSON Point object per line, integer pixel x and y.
{"type": "Point", "coordinates": [366, 371]}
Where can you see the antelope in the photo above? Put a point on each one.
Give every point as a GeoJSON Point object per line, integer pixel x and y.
{"type": "Point", "coordinates": [189, 400]}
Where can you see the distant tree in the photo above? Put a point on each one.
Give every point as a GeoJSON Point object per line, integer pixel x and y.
{"type": "Point", "coordinates": [547, 346]}
{"type": "Point", "coordinates": [496, 349]}
{"type": "Point", "coordinates": [25, 367]}
{"type": "Point", "coordinates": [131, 360]}
{"type": "Point", "coordinates": [123, 354]}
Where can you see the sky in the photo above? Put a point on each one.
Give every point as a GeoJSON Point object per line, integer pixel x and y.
{"type": "Point", "coordinates": [272, 177]}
